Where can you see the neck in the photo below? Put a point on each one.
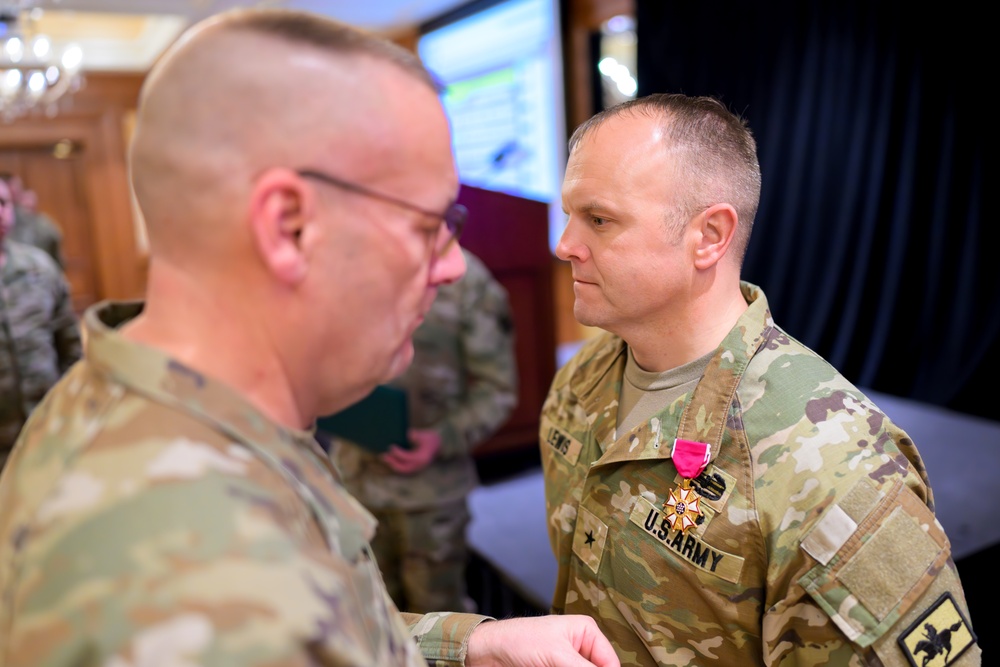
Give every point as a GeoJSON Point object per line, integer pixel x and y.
{"type": "Point", "coordinates": [688, 331]}
{"type": "Point", "coordinates": [214, 332]}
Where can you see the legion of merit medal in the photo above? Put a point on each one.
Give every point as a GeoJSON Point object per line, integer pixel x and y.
{"type": "Point", "coordinates": [683, 505]}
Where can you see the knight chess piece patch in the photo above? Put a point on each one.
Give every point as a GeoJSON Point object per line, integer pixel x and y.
{"type": "Point", "coordinates": [939, 636]}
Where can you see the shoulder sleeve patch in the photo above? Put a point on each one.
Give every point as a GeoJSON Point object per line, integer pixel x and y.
{"type": "Point", "coordinates": [868, 577]}
{"type": "Point", "coordinates": [939, 636]}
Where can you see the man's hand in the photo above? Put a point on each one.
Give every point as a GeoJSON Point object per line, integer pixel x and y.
{"type": "Point", "coordinates": [542, 641]}
{"type": "Point", "coordinates": [426, 444]}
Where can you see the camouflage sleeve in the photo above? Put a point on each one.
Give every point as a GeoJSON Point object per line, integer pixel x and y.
{"type": "Point", "coordinates": [65, 327]}
{"type": "Point", "coordinates": [443, 637]}
{"type": "Point", "coordinates": [859, 564]}
{"type": "Point", "coordinates": [188, 554]}
{"type": "Point", "coordinates": [487, 344]}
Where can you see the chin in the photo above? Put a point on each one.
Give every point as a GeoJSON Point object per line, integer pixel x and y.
{"type": "Point", "coordinates": [585, 316]}
{"type": "Point", "coordinates": [590, 317]}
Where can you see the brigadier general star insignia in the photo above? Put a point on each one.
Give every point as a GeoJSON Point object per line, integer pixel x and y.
{"type": "Point", "coordinates": [683, 505]}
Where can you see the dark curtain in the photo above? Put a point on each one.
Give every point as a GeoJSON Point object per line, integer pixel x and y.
{"type": "Point", "coordinates": [870, 121]}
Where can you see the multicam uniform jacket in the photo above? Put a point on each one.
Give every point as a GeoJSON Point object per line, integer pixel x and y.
{"type": "Point", "coordinates": [817, 543]}
{"type": "Point", "coordinates": [39, 335]}
{"type": "Point", "coordinates": [150, 515]}
{"type": "Point", "coordinates": [462, 382]}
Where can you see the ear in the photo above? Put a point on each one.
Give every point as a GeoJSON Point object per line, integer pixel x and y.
{"type": "Point", "coordinates": [715, 227]}
{"type": "Point", "coordinates": [280, 207]}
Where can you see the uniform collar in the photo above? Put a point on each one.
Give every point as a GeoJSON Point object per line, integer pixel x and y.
{"type": "Point", "coordinates": [704, 417]}
{"type": "Point", "coordinates": [704, 414]}
{"type": "Point", "coordinates": [149, 372]}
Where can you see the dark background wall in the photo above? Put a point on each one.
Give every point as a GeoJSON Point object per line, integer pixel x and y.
{"type": "Point", "coordinates": [870, 118]}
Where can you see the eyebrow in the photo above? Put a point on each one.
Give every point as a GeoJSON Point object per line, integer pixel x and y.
{"type": "Point", "coordinates": [593, 208]}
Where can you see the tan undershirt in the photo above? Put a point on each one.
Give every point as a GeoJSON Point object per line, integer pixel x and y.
{"type": "Point", "coordinates": [644, 393]}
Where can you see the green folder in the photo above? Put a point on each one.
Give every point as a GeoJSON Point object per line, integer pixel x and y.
{"type": "Point", "coordinates": [378, 420]}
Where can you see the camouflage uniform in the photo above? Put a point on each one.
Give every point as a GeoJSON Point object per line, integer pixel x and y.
{"type": "Point", "coordinates": [39, 336]}
{"type": "Point", "coordinates": [36, 229]}
{"type": "Point", "coordinates": [818, 546]}
{"type": "Point", "coordinates": [463, 383]}
{"type": "Point", "coordinates": [149, 514]}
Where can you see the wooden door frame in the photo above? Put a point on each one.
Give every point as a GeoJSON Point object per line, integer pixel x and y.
{"type": "Point", "coordinates": [97, 121]}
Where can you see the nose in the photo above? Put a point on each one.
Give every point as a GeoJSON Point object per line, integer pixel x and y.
{"type": "Point", "coordinates": [448, 267]}
{"type": "Point", "coordinates": [569, 246]}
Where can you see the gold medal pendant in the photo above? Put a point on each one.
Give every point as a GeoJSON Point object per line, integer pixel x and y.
{"type": "Point", "coordinates": [683, 507]}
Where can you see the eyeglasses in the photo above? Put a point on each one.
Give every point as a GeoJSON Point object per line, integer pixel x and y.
{"type": "Point", "coordinates": [454, 216]}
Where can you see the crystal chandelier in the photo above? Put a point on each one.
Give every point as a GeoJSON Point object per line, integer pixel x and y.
{"type": "Point", "coordinates": [34, 75]}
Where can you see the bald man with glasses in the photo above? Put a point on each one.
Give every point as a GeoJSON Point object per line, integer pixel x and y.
{"type": "Point", "coordinates": [167, 503]}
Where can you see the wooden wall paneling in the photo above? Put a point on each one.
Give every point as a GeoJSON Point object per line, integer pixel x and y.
{"type": "Point", "coordinates": [88, 191]}
{"type": "Point", "coordinates": [535, 358]}
{"type": "Point", "coordinates": [117, 239]}
{"type": "Point", "coordinates": [70, 208]}
{"type": "Point", "coordinates": [61, 189]}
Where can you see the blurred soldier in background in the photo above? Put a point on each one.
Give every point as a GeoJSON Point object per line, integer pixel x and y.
{"type": "Point", "coordinates": [461, 387]}
{"type": "Point", "coordinates": [31, 226]}
{"type": "Point", "coordinates": [39, 336]}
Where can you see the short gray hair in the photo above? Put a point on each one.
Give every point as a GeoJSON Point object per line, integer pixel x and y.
{"type": "Point", "coordinates": [301, 27]}
{"type": "Point", "coordinates": [715, 149]}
